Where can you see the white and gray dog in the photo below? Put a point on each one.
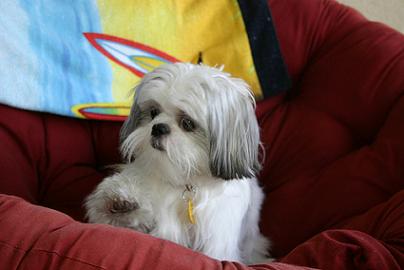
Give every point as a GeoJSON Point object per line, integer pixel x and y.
{"type": "Point", "coordinates": [191, 143]}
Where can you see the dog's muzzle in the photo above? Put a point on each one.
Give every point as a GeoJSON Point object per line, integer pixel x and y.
{"type": "Point", "coordinates": [158, 131]}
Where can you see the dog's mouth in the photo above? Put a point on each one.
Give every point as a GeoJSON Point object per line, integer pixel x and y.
{"type": "Point", "coordinates": [156, 144]}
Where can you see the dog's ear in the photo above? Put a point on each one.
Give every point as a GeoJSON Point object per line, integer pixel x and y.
{"type": "Point", "coordinates": [132, 122]}
{"type": "Point", "coordinates": [134, 118]}
{"type": "Point", "coordinates": [234, 133]}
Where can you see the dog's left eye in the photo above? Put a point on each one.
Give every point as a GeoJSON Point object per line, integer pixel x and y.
{"type": "Point", "coordinates": [187, 124]}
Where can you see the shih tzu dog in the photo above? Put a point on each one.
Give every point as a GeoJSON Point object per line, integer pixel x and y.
{"type": "Point", "coordinates": [191, 143]}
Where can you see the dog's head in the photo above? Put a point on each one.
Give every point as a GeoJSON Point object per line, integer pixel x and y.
{"type": "Point", "coordinates": [193, 120]}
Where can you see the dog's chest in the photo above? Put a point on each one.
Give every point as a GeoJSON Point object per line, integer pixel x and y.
{"type": "Point", "coordinates": [172, 213]}
{"type": "Point", "coordinates": [190, 218]}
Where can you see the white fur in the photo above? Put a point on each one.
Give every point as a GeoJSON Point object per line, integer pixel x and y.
{"type": "Point", "coordinates": [219, 158]}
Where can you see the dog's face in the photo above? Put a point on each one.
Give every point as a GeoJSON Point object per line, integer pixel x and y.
{"type": "Point", "coordinates": [192, 120]}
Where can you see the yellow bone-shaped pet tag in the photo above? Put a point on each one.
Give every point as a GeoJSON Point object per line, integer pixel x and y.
{"type": "Point", "coordinates": [188, 195]}
{"type": "Point", "coordinates": [191, 212]}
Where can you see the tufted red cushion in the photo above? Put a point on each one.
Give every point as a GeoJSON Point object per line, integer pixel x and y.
{"type": "Point", "coordinates": [333, 172]}
{"type": "Point", "coordinates": [335, 146]}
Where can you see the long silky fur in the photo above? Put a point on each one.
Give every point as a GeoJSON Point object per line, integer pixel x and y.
{"type": "Point", "coordinates": [219, 158]}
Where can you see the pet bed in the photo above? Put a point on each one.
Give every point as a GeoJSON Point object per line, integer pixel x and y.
{"type": "Point", "coordinates": [333, 171]}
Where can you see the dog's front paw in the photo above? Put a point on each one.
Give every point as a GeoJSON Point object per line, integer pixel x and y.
{"type": "Point", "coordinates": [125, 212]}
{"type": "Point", "coordinates": [121, 206]}
{"type": "Point", "coordinates": [120, 203]}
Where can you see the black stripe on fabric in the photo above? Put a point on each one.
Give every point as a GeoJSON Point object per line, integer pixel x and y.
{"type": "Point", "coordinates": [269, 65]}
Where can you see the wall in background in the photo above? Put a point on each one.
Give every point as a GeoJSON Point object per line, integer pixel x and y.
{"type": "Point", "coordinates": [390, 12]}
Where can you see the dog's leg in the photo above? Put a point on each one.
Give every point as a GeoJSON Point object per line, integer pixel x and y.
{"type": "Point", "coordinates": [122, 202]}
{"type": "Point", "coordinates": [219, 220]}
{"type": "Point", "coordinates": [227, 225]}
{"type": "Point", "coordinates": [254, 246]}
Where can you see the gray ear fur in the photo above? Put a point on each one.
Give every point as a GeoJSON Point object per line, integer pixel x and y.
{"type": "Point", "coordinates": [133, 119]}
{"type": "Point", "coordinates": [234, 137]}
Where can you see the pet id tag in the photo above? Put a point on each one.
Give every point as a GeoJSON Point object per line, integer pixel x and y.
{"type": "Point", "coordinates": [188, 196]}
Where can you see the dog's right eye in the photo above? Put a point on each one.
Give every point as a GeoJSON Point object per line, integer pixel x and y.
{"type": "Point", "coordinates": [187, 124]}
{"type": "Point", "coordinates": [154, 112]}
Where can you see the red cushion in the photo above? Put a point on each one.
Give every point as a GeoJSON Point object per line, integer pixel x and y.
{"type": "Point", "coordinates": [333, 171]}
{"type": "Point", "coordinates": [335, 145]}
{"type": "Point", "coordinates": [54, 161]}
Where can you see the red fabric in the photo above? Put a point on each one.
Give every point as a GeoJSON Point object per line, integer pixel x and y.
{"type": "Point", "coordinates": [41, 238]}
{"type": "Point", "coordinates": [335, 146]}
{"type": "Point", "coordinates": [333, 173]}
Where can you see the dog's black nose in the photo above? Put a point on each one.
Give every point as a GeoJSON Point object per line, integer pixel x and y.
{"type": "Point", "coordinates": [160, 129]}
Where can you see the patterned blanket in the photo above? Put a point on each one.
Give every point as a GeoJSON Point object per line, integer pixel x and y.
{"type": "Point", "coordinates": [83, 58]}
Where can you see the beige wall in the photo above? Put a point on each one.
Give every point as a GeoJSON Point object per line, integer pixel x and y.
{"type": "Point", "coordinates": [390, 12]}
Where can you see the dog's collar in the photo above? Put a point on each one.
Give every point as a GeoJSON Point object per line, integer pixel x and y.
{"type": "Point", "coordinates": [188, 195]}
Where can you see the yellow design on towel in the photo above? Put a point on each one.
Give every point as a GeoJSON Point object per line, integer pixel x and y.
{"type": "Point", "coordinates": [183, 29]}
